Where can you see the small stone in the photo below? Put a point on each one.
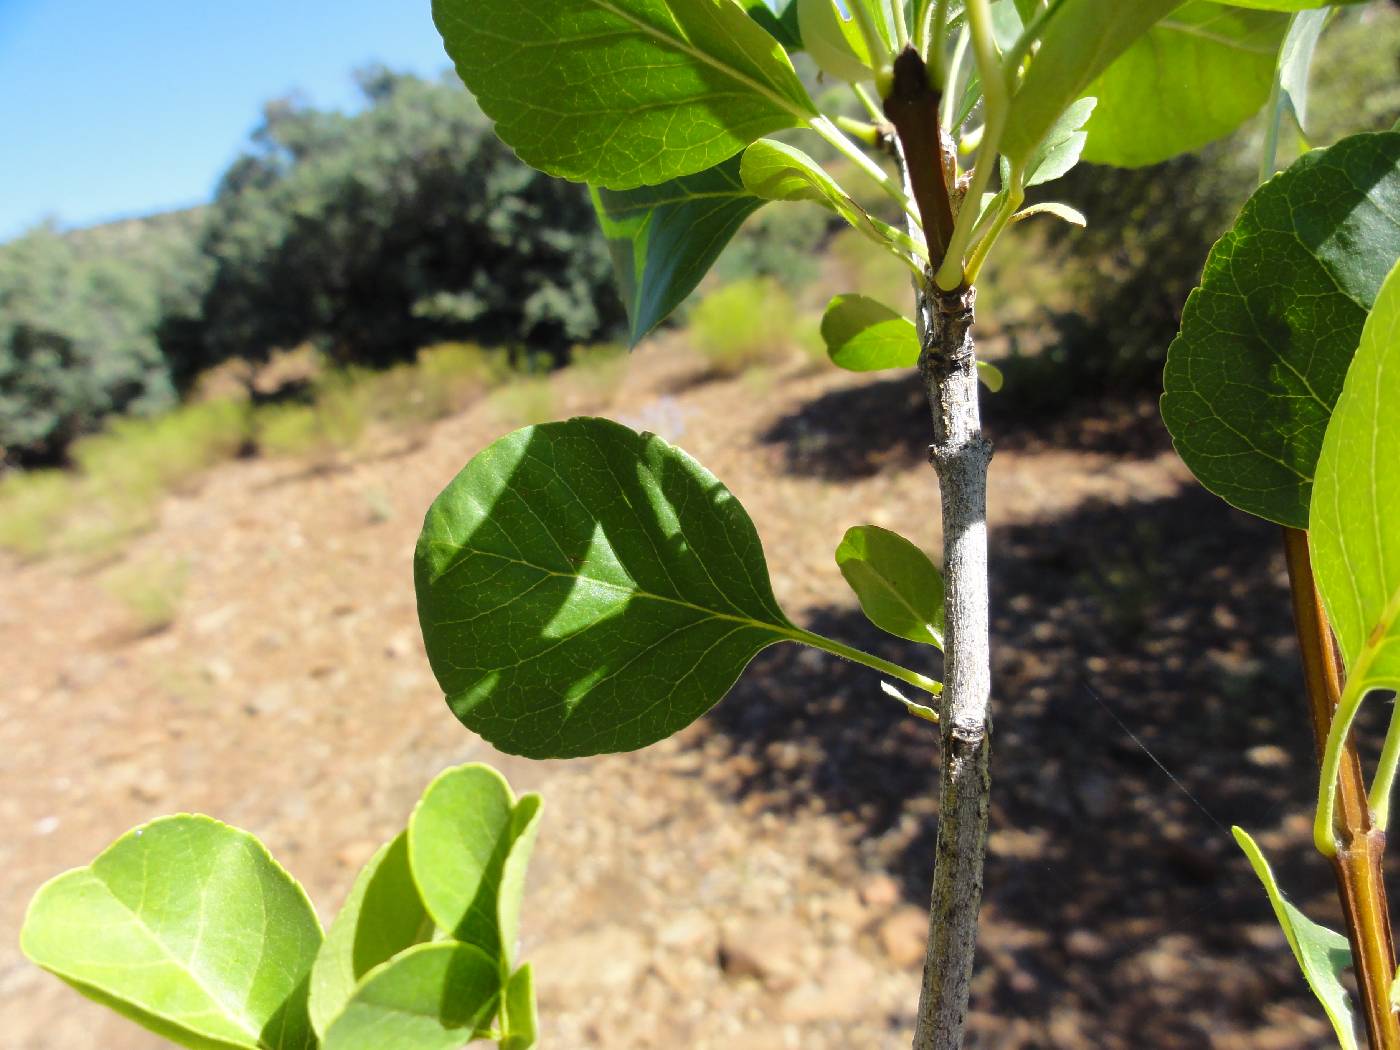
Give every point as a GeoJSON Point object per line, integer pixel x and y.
{"type": "Point", "coordinates": [45, 826]}
{"type": "Point", "coordinates": [608, 960]}
{"type": "Point", "coordinates": [903, 936]}
{"type": "Point", "coordinates": [1085, 944]}
{"type": "Point", "coordinates": [693, 933]}
{"type": "Point", "coordinates": [879, 891]}
{"type": "Point", "coordinates": [355, 854]}
{"type": "Point", "coordinates": [217, 672]}
{"type": "Point", "coordinates": [844, 993]}
{"type": "Point", "coordinates": [1268, 756]}
{"type": "Point", "coordinates": [769, 950]}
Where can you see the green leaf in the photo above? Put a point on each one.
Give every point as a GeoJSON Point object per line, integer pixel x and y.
{"type": "Point", "coordinates": [623, 93]}
{"type": "Point", "coordinates": [665, 238]}
{"type": "Point", "coordinates": [779, 172]}
{"type": "Point", "coordinates": [1289, 5]}
{"type": "Point", "coordinates": [779, 17]}
{"type": "Point", "coordinates": [523, 1022]}
{"type": "Point", "coordinates": [1063, 144]}
{"type": "Point", "coordinates": [1194, 77]}
{"type": "Point", "coordinates": [1079, 41]}
{"type": "Point", "coordinates": [1063, 212]}
{"type": "Point", "coordinates": [382, 916]}
{"type": "Point", "coordinates": [1295, 63]}
{"type": "Point", "coordinates": [187, 927]}
{"type": "Point", "coordinates": [863, 335]}
{"type": "Point", "coordinates": [834, 41]}
{"type": "Point", "coordinates": [583, 588]}
{"type": "Point", "coordinates": [431, 997]}
{"type": "Point", "coordinates": [900, 589]}
{"type": "Point", "coordinates": [1355, 523]}
{"type": "Point", "coordinates": [1266, 340]}
{"type": "Point", "coordinates": [524, 828]}
{"type": "Point", "coordinates": [991, 376]}
{"type": "Point", "coordinates": [1322, 955]}
{"type": "Point", "coordinates": [459, 838]}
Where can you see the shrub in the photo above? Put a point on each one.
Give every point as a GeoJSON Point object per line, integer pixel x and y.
{"type": "Point", "coordinates": [403, 225]}
{"type": "Point", "coordinates": [744, 324]}
{"type": "Point", "coordinates": [77, 344]}
{"type": "Point", "coordinates": [151, 591]}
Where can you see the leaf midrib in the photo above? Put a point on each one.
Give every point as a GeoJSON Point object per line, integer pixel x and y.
{"type": "Point", "coordinates": [685, 46]}
{"type": "Point", "coordinates": [781, 629]}
{"type": "Point", "coordinates": [182, 966]}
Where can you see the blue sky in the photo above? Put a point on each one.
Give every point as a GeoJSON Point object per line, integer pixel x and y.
{"type": "Point", "coordinates": [110, 108]}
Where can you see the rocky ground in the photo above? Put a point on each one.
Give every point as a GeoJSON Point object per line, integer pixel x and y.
{"type": "Point", "coordinates": [760, 881]}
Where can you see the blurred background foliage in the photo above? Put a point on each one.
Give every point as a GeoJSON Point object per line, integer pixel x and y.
{"type": "Point", "coordinates": [363, 238]}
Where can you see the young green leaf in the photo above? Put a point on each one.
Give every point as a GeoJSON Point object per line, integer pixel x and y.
{"type": "Point", "coordinates": [899, 588]}
{"type": "Point", "coordinates": [383, 916]}
{"type": "Point", "coordinates": [522, 1014]}
{"type": "Point", "coordinates": [459, 837]}
{"type": "Point", "coordinates": [863, 335]}
{"type": "Point", "coordinates": [623, 93]}
{"type": "Point", "coordinates": [1194, 77]}
{"type": "Point", "coordinates": [583, 588]}
{"type": "Point", "coordinates": [779, 17]}
{"type": "Point", "coordinates": [524, 829]}
{"type": "Point", "coordinates": [1080, 40]}
{"type": "Point", "coordinates": [991, 376]}
{"type": "Point", "coordinates": [779, 172]}
{"type": "Point", "coordinates": [1063, 212]}
{"type": "Point", "coordinates": [431, 997]}
{"type": "Point", "coordinates": [1322, 955]}
{"type": "Point", "coordinates": [1353, 529]}
{"type": "Point", "coordinates": [1266, 340]}
{"type": "Point", "coordinates": [834, 41]}
{"type": "Point", "coordinates": [1063, 144]}
{"type": "Point", "coordinates": [1295, 62]}
{"type": "Point", "coordinates": [665, 238]}
{"type": "Point", "coordinates": [1289, 5]}
{"type": "Point", "coordinates": [189, 928]}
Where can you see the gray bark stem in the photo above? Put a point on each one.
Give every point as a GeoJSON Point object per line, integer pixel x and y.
{"type": "Point", "coordinates": [961, 455]}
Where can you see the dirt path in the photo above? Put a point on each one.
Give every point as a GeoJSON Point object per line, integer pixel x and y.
{"type": "Point", "coordinates": [759, 881]}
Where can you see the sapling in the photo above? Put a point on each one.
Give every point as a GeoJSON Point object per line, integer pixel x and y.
{"type": "Point", "coordinates": [583, 588]}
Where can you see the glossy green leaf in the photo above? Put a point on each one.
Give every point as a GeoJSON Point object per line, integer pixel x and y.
{"type": "Point", "coordinates": [1289, 5]}
{"type": "Point", "coordinates": [524, 829]}
{"type": "Point", "coordinates": [665, 238]}
{"type": "Point", "coordinates": [431, 997]}
{"type": "Point", "coordinates": [1266, 340]}
{"type": "Point", "coordinates": [779, 172]}
{"type": "Point", "coordinates": [189, 928]}
{"type": "Point", "coordinates": [1079, 42]}
{"type": "Point", "coordinates": [522, 1013]}
{"type": "Point", "coordinates": [459, 838]}
{"type": "Point", "coordinates": [1062, 146]}
{"type": "Point", "coordinates": [1322, 955]}
{"type": "Point", "coordinates": [623, 93]}
{"type": "Point", "coordinates": [834, 41]}
{"type": "Point", "coordinates": [382, 916]}
{"type": "Point", "coordinates": [899, 588]}
{"type": "Point", "coordinates": [583, 588]}
{"type": "Point", "coordinates": [864, 335]}
{"type": "Point", "coordinates": [779, 17]}
{"type": "Point", "coordinates": [1194, 77]}
{"type": "Point", "coordinates": [1355, 523]}
{"type": "Point", "coordinates": [1295, 63]}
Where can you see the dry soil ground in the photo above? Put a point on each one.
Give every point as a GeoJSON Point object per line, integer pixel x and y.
{"type": "Point", "coordinates": [758, 882]}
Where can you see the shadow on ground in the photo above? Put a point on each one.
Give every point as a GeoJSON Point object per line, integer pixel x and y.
{"type": "Point", "coordinates": [859, 431]}
{"type": "Point", "coordinates": [1119, 912]}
